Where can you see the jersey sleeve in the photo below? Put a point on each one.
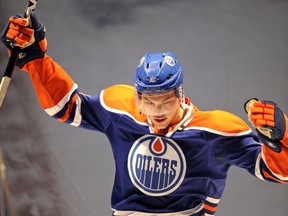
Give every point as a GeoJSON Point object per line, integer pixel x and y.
{"type": "Point", "coordinates": [59, 96]}
{"type": "Point", "coordinates": [275, 164]}
{"type": "Point", "coordinates": [243, 149]}
{"type": "Point", "coordinates": [50, 81]}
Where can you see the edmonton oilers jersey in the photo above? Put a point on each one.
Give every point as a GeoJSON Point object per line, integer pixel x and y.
{"type": "Point", "coordinates": [181, 172]}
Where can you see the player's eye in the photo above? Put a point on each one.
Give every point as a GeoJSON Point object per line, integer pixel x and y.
{"type": "Point", "coordinates": [168, 102]}
{"type": "Point", "coordinates": [148, 102]}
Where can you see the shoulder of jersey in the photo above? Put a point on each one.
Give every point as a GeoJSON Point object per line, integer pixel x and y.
{"type": "Point", "coordinates": [121, 98]}
{"type": "Point", "coordinates": [218, 121]}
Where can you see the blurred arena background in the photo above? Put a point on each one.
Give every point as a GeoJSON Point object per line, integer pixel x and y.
{"type": "Point", "coordinates": [230, 50]}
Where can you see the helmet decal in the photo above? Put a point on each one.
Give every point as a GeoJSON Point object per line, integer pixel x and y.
{"type": "Point", "coordinates": [169, 60]}
{"type": "Point", "coordinates": [152, 79]}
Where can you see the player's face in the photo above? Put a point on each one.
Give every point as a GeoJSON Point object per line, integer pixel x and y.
{"type": "Point", "coordinates": [162, 109]}
{"type": "Point", "coordinates": [158, 104]}
{"type": "Point", "coordinates": [165, 120]}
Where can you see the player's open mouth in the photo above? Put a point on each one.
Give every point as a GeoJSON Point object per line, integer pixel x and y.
{"type": "Point", "coordinates": [159, 119]}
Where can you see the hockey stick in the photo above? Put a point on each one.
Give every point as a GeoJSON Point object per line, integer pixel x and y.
{"type": "Point", "coordinates": [12, 60]}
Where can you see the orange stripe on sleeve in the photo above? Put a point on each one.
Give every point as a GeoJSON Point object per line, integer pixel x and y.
{"type": "Point", "coordinates": [68, 111]}
{"type": "Point", "coordinates": [210, 208]}
{"type": "Point", "coordinates": [267, 175]}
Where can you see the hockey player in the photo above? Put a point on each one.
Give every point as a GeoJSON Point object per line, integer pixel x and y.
{"type": "Point", "coordinates": [171, 158]}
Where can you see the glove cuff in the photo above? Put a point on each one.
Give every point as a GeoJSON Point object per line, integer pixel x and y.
{"type": "Point", "coordinates": [24, 57]}
{"type": "Point", "coordinates": [274, 145]}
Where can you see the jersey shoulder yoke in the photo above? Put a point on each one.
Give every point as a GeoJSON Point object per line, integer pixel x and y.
{"type": "Point", "coordinates": [219, 121]}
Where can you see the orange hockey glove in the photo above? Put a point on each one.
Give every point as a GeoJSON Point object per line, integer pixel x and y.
{"type": "Point", "coordinates": [269, 121]}
{"type": "Point", "coordinates": [26, 34]}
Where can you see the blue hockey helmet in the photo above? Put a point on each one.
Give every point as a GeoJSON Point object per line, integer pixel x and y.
{"type": "Point", "coordinates": [158, 73]}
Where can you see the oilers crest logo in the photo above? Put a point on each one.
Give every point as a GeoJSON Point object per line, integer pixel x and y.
{"type": "Point", "coordinates": [156, 165]}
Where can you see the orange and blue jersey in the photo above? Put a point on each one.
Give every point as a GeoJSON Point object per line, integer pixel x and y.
{"type": "Point", "coordinates": [181, 172]}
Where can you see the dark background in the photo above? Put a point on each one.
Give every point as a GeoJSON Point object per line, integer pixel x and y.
{"type": "Point", "coordinates": [230, 50]}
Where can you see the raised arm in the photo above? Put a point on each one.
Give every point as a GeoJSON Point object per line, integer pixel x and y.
{"type": "Point", "coordinates": [28, 34]}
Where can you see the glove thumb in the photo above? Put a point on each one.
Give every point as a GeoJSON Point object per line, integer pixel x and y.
{"type": "Point", "coordinates": [248, 104]}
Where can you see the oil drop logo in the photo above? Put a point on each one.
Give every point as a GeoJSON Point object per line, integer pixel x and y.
{"type": "Point", "coordinates": [156, 165]}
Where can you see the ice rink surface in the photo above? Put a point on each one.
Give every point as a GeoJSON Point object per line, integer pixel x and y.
{"type": "Point", "coordinates": [230, 50]}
